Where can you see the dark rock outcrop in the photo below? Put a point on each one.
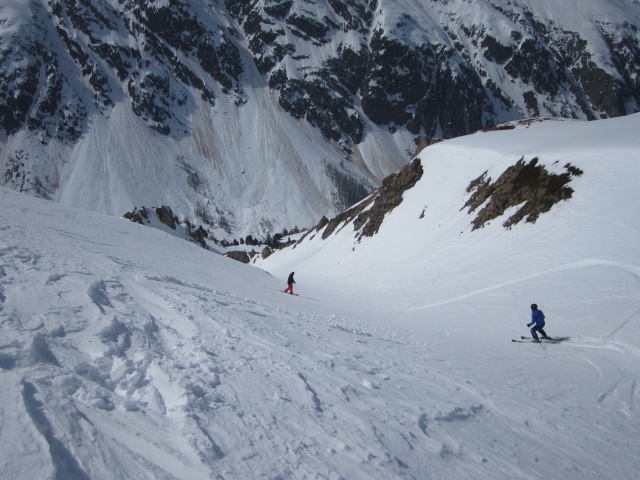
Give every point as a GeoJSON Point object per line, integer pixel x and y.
{"type": "Point", "coordinates": [165, 215]}
{"type": "Point", "coordinates": [368, 215]}
{"type": "Point", "coordinates": [527, 184]}
{"type": "Point", "coordinates": [239, 256]}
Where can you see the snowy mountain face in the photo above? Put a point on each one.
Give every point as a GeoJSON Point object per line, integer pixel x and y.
{"type": "Point", "coordinates": [129, 353]}
{"type": "Point", "coordinates": [253, 116]}
{"type": "Point", "coordinates": [484, 196]}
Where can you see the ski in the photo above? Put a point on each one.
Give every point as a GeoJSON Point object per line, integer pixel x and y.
{"type": "Point", "coordinates": [524, 339]}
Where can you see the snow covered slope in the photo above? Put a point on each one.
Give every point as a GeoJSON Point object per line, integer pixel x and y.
{"type": "Point", "coordinates": [429, 240]}
{"type": "Point", "coordinates": [128, 353]}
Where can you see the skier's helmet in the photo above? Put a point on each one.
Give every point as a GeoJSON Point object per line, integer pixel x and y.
{"type": "Point", "coordinates": [534, 306]}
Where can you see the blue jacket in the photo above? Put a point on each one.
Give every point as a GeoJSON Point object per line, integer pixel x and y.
{"type": "Point", "coordinates": [537, 317]}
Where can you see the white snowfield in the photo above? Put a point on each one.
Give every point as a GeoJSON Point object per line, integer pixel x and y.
{"type": "Point", "coordinates": [126, 353]}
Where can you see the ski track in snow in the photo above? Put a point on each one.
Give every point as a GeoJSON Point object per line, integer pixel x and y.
{"type": "Point", "coordinates": [586, 263]}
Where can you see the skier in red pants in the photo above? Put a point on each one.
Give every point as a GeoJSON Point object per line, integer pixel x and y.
{"type": "Point", "coordinates": [290, 282]}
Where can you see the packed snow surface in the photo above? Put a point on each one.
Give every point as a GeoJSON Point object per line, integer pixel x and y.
{"type": "Point", "coordinates": [129, 353]}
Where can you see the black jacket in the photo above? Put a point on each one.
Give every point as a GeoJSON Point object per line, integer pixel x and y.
{"type": "Point", "coordinates": [291, 280]}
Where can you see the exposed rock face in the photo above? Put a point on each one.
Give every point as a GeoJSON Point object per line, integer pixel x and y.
{"type": "Point", "coordinates": [439, 86]}
{"type": "Point", "coordinates": [388, 197]}
{"type": "Point", "coordinates": [526, 184]}
{"type": "Point", "coordinates": [164, 214]}
{"type": "Point", "coordinates": [68, 42]}
{"type": "Point", "coordinates": [239, 256]}
{"type": "Point", "coordinates": [369, 214]}
{"type": "Point", "coordinates": [137, 215]}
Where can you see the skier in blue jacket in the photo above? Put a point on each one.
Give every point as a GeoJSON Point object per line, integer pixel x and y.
{"type": "Point", "coordinates": [537, 319]}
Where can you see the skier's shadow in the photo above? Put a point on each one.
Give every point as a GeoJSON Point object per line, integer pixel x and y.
{"type": "Point", "coordinates": [294, 294]}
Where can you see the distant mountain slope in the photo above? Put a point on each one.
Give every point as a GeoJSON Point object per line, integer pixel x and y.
{"type": "Point", "coordinates": [511, 198]}
{"type": "Point", "coordinates": [254, 116]}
